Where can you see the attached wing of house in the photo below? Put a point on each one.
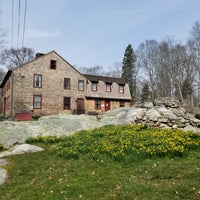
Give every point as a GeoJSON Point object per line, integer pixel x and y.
{"type": "Point", "coordinates": [105, 93]}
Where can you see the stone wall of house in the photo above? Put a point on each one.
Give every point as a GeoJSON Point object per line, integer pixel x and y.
{"type": "Point", "coordinates": [6, 97]}
{"type": "Point", "coordinates": [113, 105]}
{"type": "Point", "coordinates": [102, 93]}
{"type": "Point", "coordinates": [52, 90]}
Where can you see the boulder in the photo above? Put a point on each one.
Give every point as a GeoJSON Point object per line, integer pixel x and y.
{"type": "Point", "coordinates": [21, 149]}
{"type": "Point", "coordinates": [166, 113]}
{"type": "Point", "coordinates": [3, 172]}
{"type": "Point", "coordinates": [136, 113]}
{"type": "Point", "coordinates": [171, 102]}
{"type": "Point", "coordinates": [153, 115]}
{"type": "Point", "coordinates": [191, 128]}
{"type": "Point", "coordinates": [3, 175]}
{"type": "Point", "coordinates": [12, 132]}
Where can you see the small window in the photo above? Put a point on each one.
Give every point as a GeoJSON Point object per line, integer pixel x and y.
{"type": "Point", "coordinates": [52, 64]}
{"type": "Point", "coordinates": [121, 88]}
{"type": "Point", "coordinates": [67, 83]}
{"type": "Point", "coordinates": [37, 101]}
{"type": "Point", "coordinates": [122, 104]}
{"type": "Point", "coordinates": [108, 87]}
{"type": "Point", "coordinates": [94, 86]}
{"type": "Point", "coordinates": [81, 85]}
{"type": "Point", "coordinates": [97, 104]}
{"type": "Point", "coordinates": [37, 81]}
{"type": "Point", "coordinates": [67, 103]}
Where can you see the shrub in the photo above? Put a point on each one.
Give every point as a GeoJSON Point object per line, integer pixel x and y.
{"type": "Point", "coordinates": [46, 139]}
{"type": "Point", "coordinates": [36, 117]}
{"type": "Point", "coordinates": [1, 147]}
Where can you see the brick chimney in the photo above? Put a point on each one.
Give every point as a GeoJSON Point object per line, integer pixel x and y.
{"type": "Point", "coordinates": [37, 55]}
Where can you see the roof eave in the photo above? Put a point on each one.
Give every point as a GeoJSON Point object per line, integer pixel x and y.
{"type": "Point", "coordinates": [8, 74]}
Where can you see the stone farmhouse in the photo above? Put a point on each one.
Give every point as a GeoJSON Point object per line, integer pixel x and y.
{"type": "Point", "coordinates": [50, 85]}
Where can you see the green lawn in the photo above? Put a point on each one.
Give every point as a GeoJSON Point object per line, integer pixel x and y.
{"type": "Point", "coordinates": [46, 175]}
{"type": "Point", "coordinates": [43, 176]}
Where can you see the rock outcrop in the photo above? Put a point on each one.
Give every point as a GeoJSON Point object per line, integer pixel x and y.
{"type": "Point", "coordinates": [164, 113]}
{"type": "Point", "coordinates": [12, 132]}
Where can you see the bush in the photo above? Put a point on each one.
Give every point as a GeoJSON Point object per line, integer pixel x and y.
{"type": "Point", "coordinates": [1, 147]}
{"type": "Point", "coordinates": [46, 139]}
{"type": "Point", "coordinates": [2, 118]}
{"type": "Point", "coordinates": [36, 117]}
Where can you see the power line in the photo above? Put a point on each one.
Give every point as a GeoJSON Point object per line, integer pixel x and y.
{"type": "Point", "coordinates": [12, 21]}
{"type": "Point", "coordinates": [24, 26]}
{"type": "Point", "coordinates": [19, 6]}
{"type": "Point", "coordinates": [19, 37]}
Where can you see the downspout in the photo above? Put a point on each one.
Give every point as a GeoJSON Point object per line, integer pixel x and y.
{"type": "Point", "coordinates": [12, 93]}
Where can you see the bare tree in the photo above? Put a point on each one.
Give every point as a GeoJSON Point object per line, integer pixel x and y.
{"type": "Point", "coordinates": [15, 57]}
{"type": "Point", "coordinates": [2, 41]}
{"type": "Point", "coordinates": [147, 58]}
{"type": "Point", "coordinates": [194, 49]}
{"type": "Point", "coordinates": [115, 70]}
{"type": "Point", "coordinates": [168, 65]}
{"type": "Point", "coordinates": [97, 70]}
{"type": "Point", "coordinates": [178, 61]}
{"type": "Point", "coordinates": [2, 74]}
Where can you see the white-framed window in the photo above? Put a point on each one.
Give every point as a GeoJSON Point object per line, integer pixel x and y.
{"type": "Point", "coordinates": [108, 87]}
{"type": "Point", "coordinates": [80, 85]}
{"type": "Point", "coordinates": [94, 86]}
{"type": "Point", "coordinates": [37, 101]}
{"type": "Point", "coordinates": [67, 83]}
{"type": "Point", "coordinates": [121, 88]}
{"type": "Point", "coordinates": [37, 83]}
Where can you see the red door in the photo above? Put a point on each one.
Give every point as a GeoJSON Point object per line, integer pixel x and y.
{"type": "Point", "coordinates": [107, 105]}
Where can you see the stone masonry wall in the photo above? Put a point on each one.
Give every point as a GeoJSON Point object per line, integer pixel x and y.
{"type": "Point", "coordinates": [52, 90]}
{"type": "Point", "coordinates": [113, 105]}
{"type": "Point", "coordinates": [102, 93]}
{"type": "Point", "coordinates": [6, 97]}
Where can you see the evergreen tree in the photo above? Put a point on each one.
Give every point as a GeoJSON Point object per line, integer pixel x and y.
{"type": "Point", "coordinates": [187, 89]}
{"type": "Point", "coordinates": [129, 71]}
{"type": "Point", "coordinates": [145, 93]}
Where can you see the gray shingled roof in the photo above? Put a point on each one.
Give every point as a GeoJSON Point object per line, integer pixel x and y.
{"type": "Point", "coordinates": [106, 79]}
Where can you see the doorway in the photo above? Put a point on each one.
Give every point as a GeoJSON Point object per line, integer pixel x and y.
{"type": "Point", "coordinates": [107, 105]}
{"type": "Point", "coordinates": [80, 106]}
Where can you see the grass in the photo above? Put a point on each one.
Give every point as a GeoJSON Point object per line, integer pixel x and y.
{"type": "Point", "coordinates": [97, 175]}
{"type": "Point", "coordinates": [44, 176]}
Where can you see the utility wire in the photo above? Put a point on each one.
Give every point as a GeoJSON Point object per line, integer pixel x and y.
{"type": "Point", "coordinates": [19, 6]}
{"type": "Point", "coordinates": [12, 20]}
{"type": "Point", "coordinates": [24, 26]}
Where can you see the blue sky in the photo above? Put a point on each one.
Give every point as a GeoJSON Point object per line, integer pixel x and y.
{"type": "Point", "coordinates": [96, 32]}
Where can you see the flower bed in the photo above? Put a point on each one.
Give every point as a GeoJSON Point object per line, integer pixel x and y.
{"type": "Point", "coordinates": [127, 142]}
